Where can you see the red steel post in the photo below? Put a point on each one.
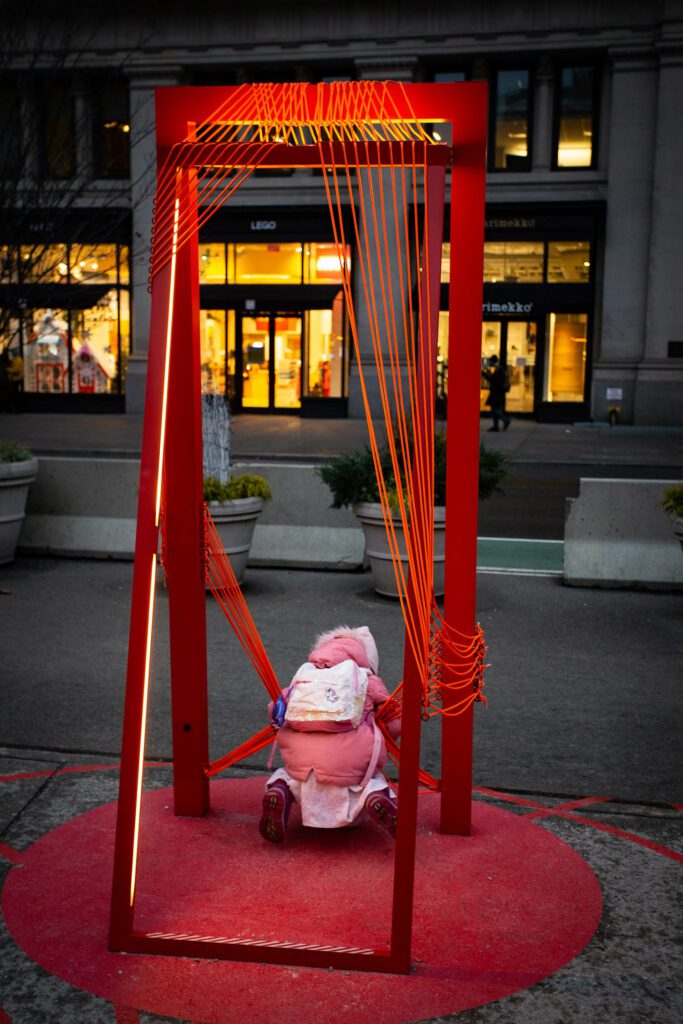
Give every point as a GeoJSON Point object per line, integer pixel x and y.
{"type": "Point", "coordinates": [468, 180]}
{"type": "Point", "coordinates": [422, 524]}
{"type": "Point", "coordinates": [141, 621]}
{"type": "Point", "coordinates": [185, 527]}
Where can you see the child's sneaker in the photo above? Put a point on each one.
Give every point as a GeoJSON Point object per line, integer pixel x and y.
{"type": "Point", "coordinates": [277, 802]}
{"type": "Point", "coordinates": [383, 809]}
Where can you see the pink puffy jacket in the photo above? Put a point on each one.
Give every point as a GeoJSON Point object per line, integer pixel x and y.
{"type": "Point", "coordinates": [341, 758]}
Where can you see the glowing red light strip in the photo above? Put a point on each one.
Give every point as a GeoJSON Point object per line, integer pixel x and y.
{"type": "Point", "coordinates": [143, 727]}
{"type": "Point", "coordinates": [167, 360]}
{"type": "Point", "coordinates": [152, 581]}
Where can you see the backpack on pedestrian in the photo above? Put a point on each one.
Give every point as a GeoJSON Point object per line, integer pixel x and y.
{"type": "Point", "coordinates": [326, 699]}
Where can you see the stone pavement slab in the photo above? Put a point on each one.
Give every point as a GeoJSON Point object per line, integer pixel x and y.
{"type": "Point", "coordinates": [582, 732]}
{"type": "Point", "coordinates": [627, 973]}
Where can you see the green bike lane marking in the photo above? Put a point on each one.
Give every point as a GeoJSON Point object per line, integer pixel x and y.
{"type": "Point", "coordinates": [520, 555]}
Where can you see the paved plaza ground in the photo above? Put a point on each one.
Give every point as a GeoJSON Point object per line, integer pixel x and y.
{"type": "Point", "coordinates": [580, 740]}
{"type": "Point", "coordinates": [581, 736]}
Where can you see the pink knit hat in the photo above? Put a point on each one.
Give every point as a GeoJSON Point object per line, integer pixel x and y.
{"type": "Point", "coordinates": [360, 633]}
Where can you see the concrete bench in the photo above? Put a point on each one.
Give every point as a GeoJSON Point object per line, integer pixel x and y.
{"type": "Point", "coordinates": [86, 507]}
{"type": "Point", "coordinates": [617, 535]}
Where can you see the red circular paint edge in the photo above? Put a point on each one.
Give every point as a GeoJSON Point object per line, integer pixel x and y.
{"type": "Point", "coordinates": [494, 913]}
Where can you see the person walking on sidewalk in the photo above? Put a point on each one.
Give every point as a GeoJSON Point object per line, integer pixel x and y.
{"type": "Point", "coordinates": [497, 380]}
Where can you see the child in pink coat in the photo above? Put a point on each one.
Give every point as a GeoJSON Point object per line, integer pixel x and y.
{"type": "Point", "coordinates": [325, 771]}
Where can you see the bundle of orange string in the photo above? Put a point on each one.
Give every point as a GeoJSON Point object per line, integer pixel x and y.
{"type": "Point", "coordinates": [379, 187]}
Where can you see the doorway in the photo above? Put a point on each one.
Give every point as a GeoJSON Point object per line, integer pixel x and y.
{"type": "Point", "coordinates": [269, 346]}
{"type": "Point", "coordinates": [515, 344]}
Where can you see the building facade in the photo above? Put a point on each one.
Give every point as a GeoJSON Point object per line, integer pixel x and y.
{"type": "Point", "coordinates": [582, 300]}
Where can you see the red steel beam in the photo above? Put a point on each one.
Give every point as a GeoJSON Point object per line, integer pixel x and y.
{"type": "Point", "coordinates": [355, 154]}
{"type": "Point", "coordinates": [468, 180]}
{"type": "Point", "coordinates": [141, 618]}
{"type": "Point", "coordinates": [178, 106]}
{"type": "Point", "coordinates": [184, 530]}
{"type": "Point", "coordinates": [411, 712]}
{"type": "Point", "coordinates": [216, 947]}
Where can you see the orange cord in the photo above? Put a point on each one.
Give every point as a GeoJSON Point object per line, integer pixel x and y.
{"type": "Point", "coordinates": [381, 199]}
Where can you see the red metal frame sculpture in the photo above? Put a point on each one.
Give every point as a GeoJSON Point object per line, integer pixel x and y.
{"type": "Point", "coordinates": [172, 458]}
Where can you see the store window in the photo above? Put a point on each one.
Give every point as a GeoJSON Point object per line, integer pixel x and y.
{"type": "Point", "coordinates": [124, 337]}
{"type": "Point", "coordinates": [94, 346]}
{"type": "Point", "coordinates": [212, 263]}
{"type": "Point", "coordinates": [274, 263]}
{"type": "Point", "coordinates": [93, 264]}
{"type": "Point", "coordinates": [46, 351]}
{"type": "Point", "coordinates": [10, 333]}
{"type": "Point", "coordinates": [82, 347]}
{"type": "Point", "coordinates": [565, 362]}
{"type": "Point", "coordinates": [575, 117]}
{"type": "Point", "coordinates": [217, 333]}
{"type": "Point", "coordinates": [8, 270]}
{"type": "Point", "coordinates": [322, 264]}
{"type": "Point", "coordinates": [520, 354]}
{"type": "Point", "coordinates": [569, 262]}
{"type": "Point", "coordinates": [58, 131]}
{"type": "Point", "coordinates": [442, 362]}
{"type": "Point", "coordinates": [523, 262]}
{"type": "Point", "coordinates": [43, 264]}
{"type": "Point", "coordinates": [324, 330]}
{"type": "Point", "coordinates": [514, 262]}
{"type": "Point", "coordinates": [124, 264]}
{"type": "Point", "coordinates": [491, 345]}
{"type": "Point", "coordinates": [111, 131]}
{"type": "Point", "coordinates": [511, 120]}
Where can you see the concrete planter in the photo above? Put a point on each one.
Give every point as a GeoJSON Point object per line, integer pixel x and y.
{"type": "Point", "coordinates": [235, 522]}
{"type": "Point", "coordinates": [369, 514]}
{"type": "Point", "coordinates": [15, 480]}
{"type": "Point", "coordinates": [678, 529]}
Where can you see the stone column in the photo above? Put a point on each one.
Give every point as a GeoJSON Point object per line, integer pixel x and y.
{"type": "Point", "coordinates": [143, 184]}
{"type": "Point", "coordinates": [630, 170]}
{"type": "Point", "coordinates": [660, 377]}
{"type": "Point", "coordinates": [400, 69]}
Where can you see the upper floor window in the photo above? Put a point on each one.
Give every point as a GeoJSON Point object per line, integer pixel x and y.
{"type": "Point", "coordinates": [569, 262]}
{"type": "Point", "coordinates": [575, 117]}
{"type": "Point", "coordinates": [530, 262]}
{"type": "Point", "coordinates": [58, 135]}
{"type": "Point", "coordinates": [273, 263]}
{"type": "Point", "coordinates": [104, 263]}
{"type": "Point", "coordinates": [518, 262]}
{"type": "Point", "coordinates": [449, 76]}
{"type": "Point", "coordinates": [10, 131]}
{"type": "Point", "coordinates": [111, 131]}
{"type": "Point", "coordinates": [511, 120]}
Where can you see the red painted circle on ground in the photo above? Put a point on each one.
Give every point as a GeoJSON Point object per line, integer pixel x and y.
{"type": "Point", "coordinates": [494, 912]}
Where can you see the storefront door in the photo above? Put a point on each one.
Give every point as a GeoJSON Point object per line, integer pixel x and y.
{"type": "Point", "coordinates": [514, 342]}
{"type": "Point", "coordinates": [270, 348]}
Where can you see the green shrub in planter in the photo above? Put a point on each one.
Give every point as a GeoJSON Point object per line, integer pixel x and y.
{"type": "Point", "coordinates": [244, 486]}
{"type": "Point", "coordinates": [351, 477]}
{"type": "Point", "coordinates": [235, 506]}
{"type": "Point", "coordinates": [13, 451]}
{"type": "Point", "coordinates": [672, 502]}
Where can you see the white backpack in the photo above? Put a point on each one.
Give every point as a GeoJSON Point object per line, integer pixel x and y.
{"type": "Point", "coordinates": [322, 697]}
